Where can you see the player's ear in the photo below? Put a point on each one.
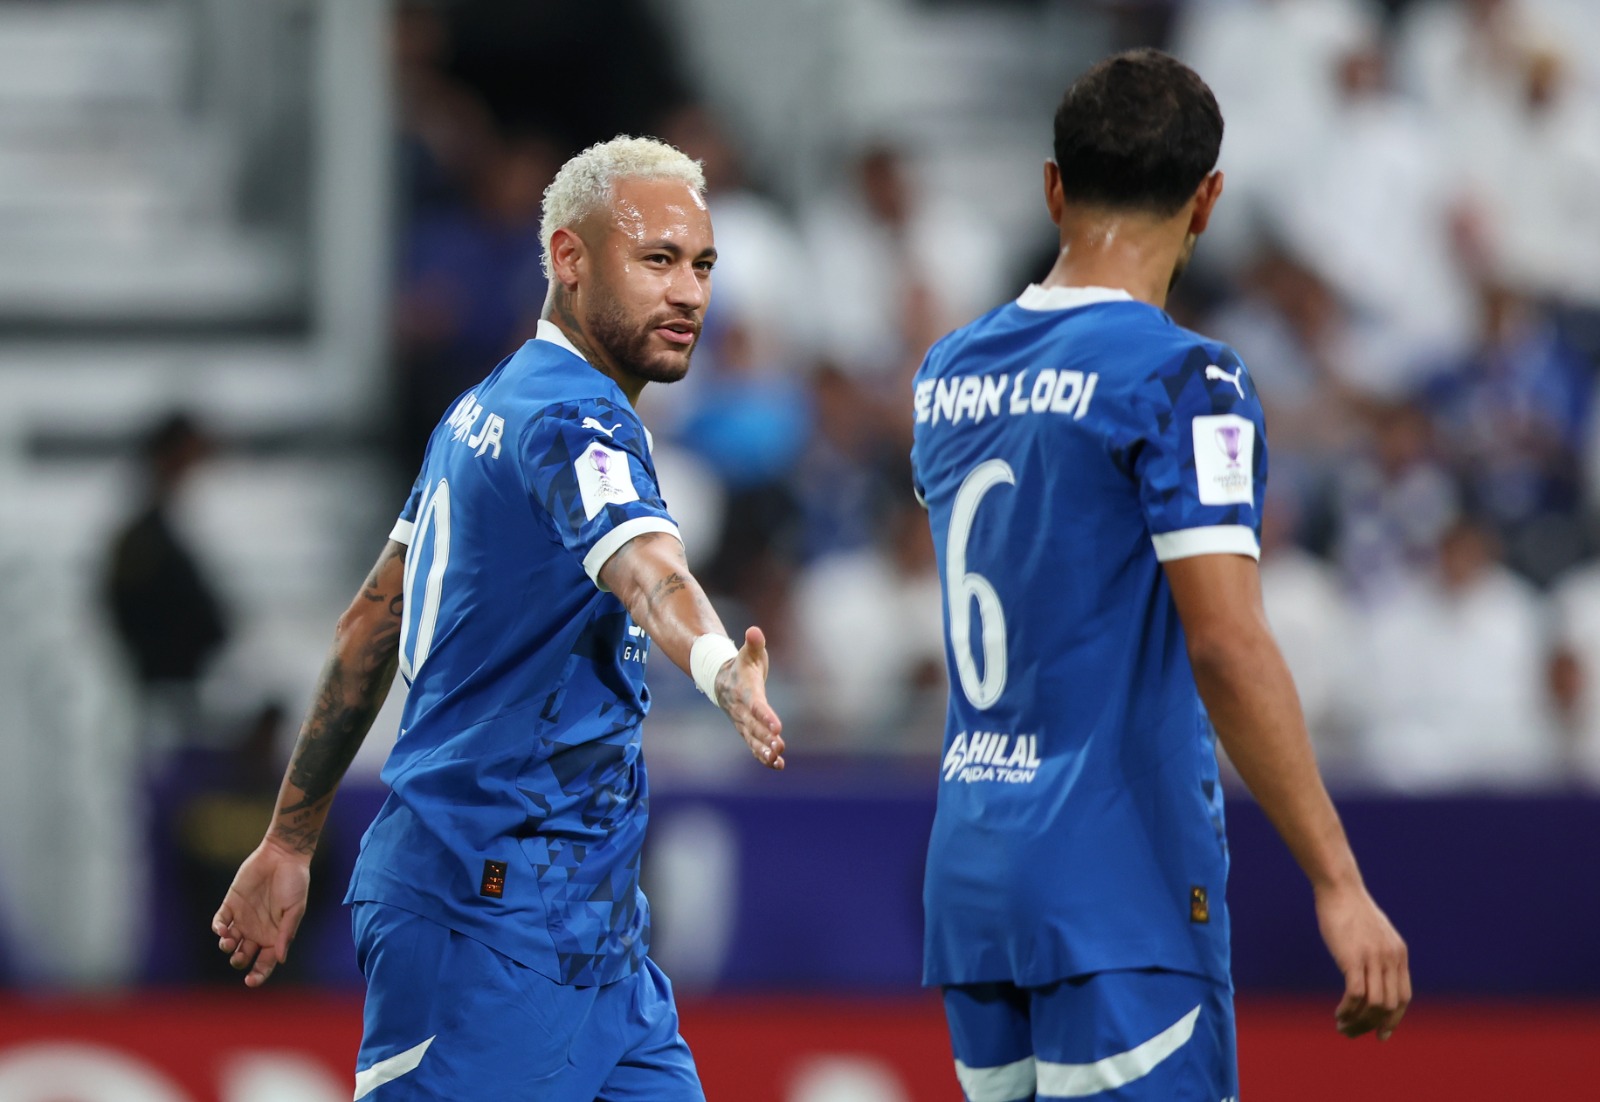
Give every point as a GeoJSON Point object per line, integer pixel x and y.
{"type": "Point", "coordinates": [1205, 200]}
{"type": "Point", "coordinates": [1053, 198]}
{"type": "Point", "coordinates": [566, 256]}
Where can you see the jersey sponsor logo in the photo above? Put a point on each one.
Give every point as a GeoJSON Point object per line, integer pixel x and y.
{"type": "Point", "coordinates": [591, 423]}
{"type": "Point", "coordinates": [637, 649]}
{"type": "Point", "coordinates": [992, 756]}
{"type": "Point", "coordinates": [464, 418]}
{"type": "Point", "coordinates": [1224, 459]}
{"type": "Point", "coordinates": [977, 397]}
{"type": "Point", "coordinates": [604, 478]}
{"type": "Point", "coordinates": [1215, 373]}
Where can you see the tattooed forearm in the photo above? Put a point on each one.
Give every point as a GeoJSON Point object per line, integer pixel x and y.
{"type": "Point", "coordinates": [351, 689]}
{"type": "Point", "coordinates": [666, 587]}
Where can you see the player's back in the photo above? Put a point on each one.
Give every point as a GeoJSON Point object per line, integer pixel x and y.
{"type": "Point", "coordinates": [1079, 820]}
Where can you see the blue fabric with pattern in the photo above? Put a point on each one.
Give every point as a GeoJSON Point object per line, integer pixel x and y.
{"type": "Point", "coordinates": [518, 795]}
{"type": "Point", "coordinates": [1079, 823]}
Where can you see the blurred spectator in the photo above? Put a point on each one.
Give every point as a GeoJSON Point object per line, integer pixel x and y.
{"type": "Point", "coordinates": [471, 285]}
{"type": "Point", "coordinates": [1370, 206]}
{"type": "Point", "coordinates": [1270, 64]}
{"type": "Point", "coordinates": [870, 625]}
{"type": "Point", "coordinates": [1574, 669]}
{"type": "Point", "coordinates": [1454, 677]}
{"type": "Point", "coordinates": [166, 612]}
{"type": "Point", "coordinates": [749, 422]}
{"type": "Point", "coordinates": [855, 463]}
{"type": "Point", "coordinates": [1393, 501]}
{"type": "Point", "coordinates": [761, 265]}
{"type": "Point", "coordinates": [1500, 83]}
{"type": "Point", "coordinates": [895, 268]}
{"type": "Point", "coordinates": [1514, 416]}
{"type": "Point", "coordinates": [445, 131]}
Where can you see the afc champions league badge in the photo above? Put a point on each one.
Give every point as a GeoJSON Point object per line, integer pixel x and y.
{"type": "Point", "coordinates": [604, 478]}
{"type": "Point", "coordinates": [1224, 458]}
{"type": "Point", "coordinates": [1229, 440]}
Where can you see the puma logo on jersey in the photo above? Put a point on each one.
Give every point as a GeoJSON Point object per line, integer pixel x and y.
{"type": "Point", "coordinates": [1215, 372]}
{"type": "Point", "coordinates": [992, 756]}
{"type": "Point", "coordinates": [591, 423]}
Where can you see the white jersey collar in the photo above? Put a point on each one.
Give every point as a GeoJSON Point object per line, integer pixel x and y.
{"type": "Point", "coordinates": [550, 331]}
{"type": "Point", "coordinates": [1065, 298]}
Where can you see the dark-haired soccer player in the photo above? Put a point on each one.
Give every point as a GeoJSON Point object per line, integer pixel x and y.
{"type": "Point", "coordinates": [498, 916]}
{"type": "Point", "coordinates": [1094, 477]}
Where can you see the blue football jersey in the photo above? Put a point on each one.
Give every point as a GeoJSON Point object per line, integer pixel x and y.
{"type": "Point", "coordinates": [1066, 444]}
{"type": "Point", "coordinates": [518, 795]}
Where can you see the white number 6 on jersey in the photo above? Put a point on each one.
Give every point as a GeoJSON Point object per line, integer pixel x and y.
{"type": "Point", "coordinates": [965, 586]}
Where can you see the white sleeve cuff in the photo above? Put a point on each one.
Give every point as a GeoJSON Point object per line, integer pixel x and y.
{"type": "Point", "coordinates": [401, 532]}
{"type": "Point", "coordinates": [610, 543]}
{"type": "Point", "coordinates": [1220, 539]}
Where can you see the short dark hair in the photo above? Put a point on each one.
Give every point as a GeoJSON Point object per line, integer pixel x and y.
{"type": "Point", "coordinates": [1140, 130]}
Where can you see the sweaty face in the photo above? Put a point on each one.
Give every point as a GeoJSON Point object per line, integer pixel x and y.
{"type": "Point", "coordinates": [651, 279]}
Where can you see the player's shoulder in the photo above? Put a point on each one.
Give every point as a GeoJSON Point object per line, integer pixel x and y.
{"type": "Point", "coordinates": [1185, 365]}
{"type": "Point", "coordinates": [948, 348]}
{"type": "Point", "coordinates": [545, 383]}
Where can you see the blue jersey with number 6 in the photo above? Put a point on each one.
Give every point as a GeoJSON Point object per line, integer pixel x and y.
{"type": "Point", "coordinates": [517, 789]}
{"type": "Point", "coordinates": [1066, 445]}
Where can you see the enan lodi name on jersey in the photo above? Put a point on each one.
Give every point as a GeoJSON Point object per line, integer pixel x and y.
{"type": "Point", "coordinates": [992, 756]}
{"type": "Point", "coordinates": [976, 397]}
{"type": "Point", "coordinates": [464, 419]}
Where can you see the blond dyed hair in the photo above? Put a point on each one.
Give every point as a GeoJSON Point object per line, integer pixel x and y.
{"type": "Point", "coordinates": [584, 183]}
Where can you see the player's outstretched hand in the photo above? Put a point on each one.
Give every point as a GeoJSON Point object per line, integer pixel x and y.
{"type": "Point", "coordinates": [1372, 956]}
{"type": "Point", "coordinates": [262, 910]}
{"type": "Point", "coordinates": [742, 693]}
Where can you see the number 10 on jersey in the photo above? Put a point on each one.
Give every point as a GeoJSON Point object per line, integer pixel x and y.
{"type": "Point", "coordinates": [430, 540]}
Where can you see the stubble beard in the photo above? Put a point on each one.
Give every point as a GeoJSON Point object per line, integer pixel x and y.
{"type": "Point", "coordinates": [627, 344]}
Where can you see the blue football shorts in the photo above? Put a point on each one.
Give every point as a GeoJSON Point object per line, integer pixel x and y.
{"type": "Point", "coordinates": [1127, 1036]}
{"type": "Point", "coordinates": [448, 1018]}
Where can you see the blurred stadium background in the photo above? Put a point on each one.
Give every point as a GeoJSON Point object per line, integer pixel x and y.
{"type": "Point", "coordinates": [249, 248]}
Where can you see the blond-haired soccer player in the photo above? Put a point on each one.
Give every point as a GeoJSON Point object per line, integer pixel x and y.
{"type": "Point", "coordinates": [497, 909]}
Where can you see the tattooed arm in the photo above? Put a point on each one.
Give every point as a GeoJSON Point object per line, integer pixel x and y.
{"type": "Point", "coordinates": [262, 910]}
{"type": "Point", "coordinates": [651, 577]}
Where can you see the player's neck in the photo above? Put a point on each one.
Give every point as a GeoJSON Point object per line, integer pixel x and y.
{"type": "Point", "coordinates": [559, 312]}
{"type": "Point", "coordinates": [1130, 254]}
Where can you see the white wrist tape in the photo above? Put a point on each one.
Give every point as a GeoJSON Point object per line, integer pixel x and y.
{"type": "Point", "coordinates": [707, 656]}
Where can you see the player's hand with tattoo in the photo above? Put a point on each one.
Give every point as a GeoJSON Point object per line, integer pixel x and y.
{"type": "Point", "coordinates": [261, 912]}
{"type": "Point", "coordinates": [1373, 958]}
{"type": "Point", "coordinates": [742, 694]}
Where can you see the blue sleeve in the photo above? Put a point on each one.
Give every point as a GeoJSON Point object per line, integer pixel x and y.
{"type": "Point", "coordinates": [1202, 462]}
{"type": "Point", "coordinates": [587, 465]}
{"type": "Point", "coordinates": [406, 523]}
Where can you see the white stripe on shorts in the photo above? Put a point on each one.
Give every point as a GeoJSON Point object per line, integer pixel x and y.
{"type": "Point", "coordinates": [1082, 1080]}
{"type": "Point", "coordinates": [389, 1068]}
{"type": "Point", "coordinates": [1006, 1083]}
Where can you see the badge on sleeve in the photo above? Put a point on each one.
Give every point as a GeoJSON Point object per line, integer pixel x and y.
{"type": "Point", "coordinates": [1224, 459]}
{"type": "Point", "coordinates": [604, 478]}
